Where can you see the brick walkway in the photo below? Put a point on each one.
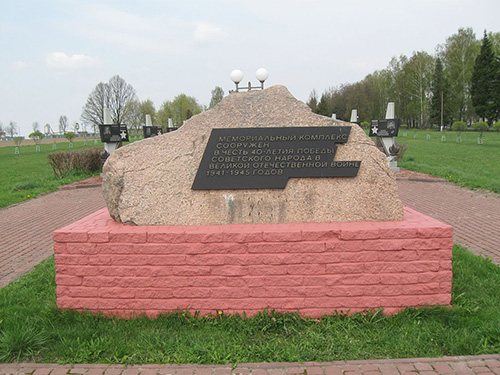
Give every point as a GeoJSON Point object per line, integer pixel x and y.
{"type": "Point", "coordinates": [480, 365]}
{"type": "Point", "coordinates": [26, 228]}
{"type": "Point", "coordinates": [26, 232]}
{"type": "Point", "coordinates": [475, 216]}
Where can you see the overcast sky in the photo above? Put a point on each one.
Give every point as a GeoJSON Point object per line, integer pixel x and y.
{"type": "Point", "coordinates": [54, 52]}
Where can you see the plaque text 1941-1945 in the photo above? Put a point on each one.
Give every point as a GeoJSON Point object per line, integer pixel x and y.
{"type": "Point", "coordinates": [265, 158]}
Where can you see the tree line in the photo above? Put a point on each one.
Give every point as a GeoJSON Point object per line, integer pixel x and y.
{"type": "Point", "coordinates": [460, 82]}
{"type": "Point", "coordinates": [125, 107]}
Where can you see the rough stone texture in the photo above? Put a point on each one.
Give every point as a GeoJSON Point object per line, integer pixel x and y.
{"type": "Point", "coordinates": [310, 268]}
{"type": "Point", "coordinates": [149, 182]}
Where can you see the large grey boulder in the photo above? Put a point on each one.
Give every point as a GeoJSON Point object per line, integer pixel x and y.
{"type": "Point", "coordinates": [149, 182]}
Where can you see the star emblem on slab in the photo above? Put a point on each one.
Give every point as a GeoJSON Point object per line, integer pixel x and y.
{"type": "Point", "coordinates": [374, 129]}
{"type": "Point", "coordinates": [123, 134]}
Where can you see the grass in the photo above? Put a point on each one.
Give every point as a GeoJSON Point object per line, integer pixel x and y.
{"type": "Point", "coordinates": [33, 329]}
{"type": "Point", "coordinates": [466, 164]}
{"type": "Point", "coordinates": [29, 174]}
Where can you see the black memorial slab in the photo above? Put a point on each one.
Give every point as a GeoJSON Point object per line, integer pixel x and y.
{"type": "Point", "coordinates": [113, 133]}
{"type": "Point", "coordinates": [151, 131]}
{"type": "Point", "coordinates": [265, 158]}
{"type": "Point", "coordinates": [384, 128]}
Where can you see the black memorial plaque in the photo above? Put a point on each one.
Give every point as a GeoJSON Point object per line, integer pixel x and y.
{"type": "Point", "coordinates": [151, 131]}
{"type": "Point", "coordinates": [265, 158]}
{"type": "Point", "coordinates": [113, 133]}
{"type": "Point", "coordinates": [384, 128]}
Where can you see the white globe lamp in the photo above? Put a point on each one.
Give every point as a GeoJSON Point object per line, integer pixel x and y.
{"type": "Point", "coordinates": [236, 76]}
{"type": "Point", "coordinates": [261, 74]}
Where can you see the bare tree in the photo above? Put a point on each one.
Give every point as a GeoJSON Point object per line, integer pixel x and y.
{"type": "Point", "coordinates": [63, 124]}
{"type": "Point", "coordinates": [11, 129]}
{"type": "Point", "coordinates": [115, 95]}
{"type": "Point", "coordinates": [2, 130]}
{"type": "Point", "coordinates": [36, 126]}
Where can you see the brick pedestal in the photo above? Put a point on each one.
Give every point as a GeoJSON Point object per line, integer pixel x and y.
{"type": "Point", "coordinates": [311, 268]}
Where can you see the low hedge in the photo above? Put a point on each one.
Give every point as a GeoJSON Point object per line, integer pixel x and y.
{"type": "Point", "coordinates": [87, 160]}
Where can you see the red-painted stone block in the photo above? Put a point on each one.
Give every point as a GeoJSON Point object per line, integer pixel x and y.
{"type": "Point", "coordinates": [161, 235]}
{"type": "Point", "coordinates": [345, 246]}
{"type": "Point", "coordinates": [71, 259]}
{"type": "Point", "coordinates": [192, 271]}
{"type": "Point", "coordinates": [76, 291]}
{"type": "Point", "coordinates": [126, 235]}
{"type": "Point", "coordinates": [78, 248]}
{"type": "Point", "coordinates": [66, 236]}
{"type": "Point", "coordinates": [359, 231]}
{"type": "Point", "coordinates": [344, 268]}
{"type": "Point", "coordinates": [60, 248]}
{"type": "Point", "coordinates": [205, 235]}
{"type": "Point", "coordinates": [98, 235]}
{"type": "Point", "coordinates": [68, 280]}
{"type": "Point", "coordinates": [284, 235]}
{"type": "Point", "coordinates": [306, 269]}
{"type": "Point", "coordinates": [125, 293]}
{"type": "Point", "coordinates": [433, 232]}
{"type": "Point", "coordinates": [228, 270]}
{"type": "Point", "coordinates": [365, 279]}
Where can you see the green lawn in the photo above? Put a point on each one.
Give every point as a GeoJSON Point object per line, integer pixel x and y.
{"type": "Point", "coordinates": [467, 163]}
{"type": "Point", "coordinates": [29, 174]}
{"type": "Point", "coordinates": [33, 329]}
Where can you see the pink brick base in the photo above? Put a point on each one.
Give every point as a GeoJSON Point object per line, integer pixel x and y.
{"type": "Point", "coordinates": [310, 268]}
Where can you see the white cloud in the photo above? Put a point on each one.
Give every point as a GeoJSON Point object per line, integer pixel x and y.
{"type": "Point", "coordinates": [207, 32]}
{"type": "Point", "coordinates": [62, 60]}
{"type": "Point", "coordinates": [19, 65]}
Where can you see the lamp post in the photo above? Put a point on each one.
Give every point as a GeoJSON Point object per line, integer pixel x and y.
{"type": "Point", "coordinates": [237, 75]}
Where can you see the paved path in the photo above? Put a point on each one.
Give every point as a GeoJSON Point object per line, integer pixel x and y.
{"type": "Point", "coordinates": [26, 228]}
{"type": "Point", "coordinates": [475, 216]}
{"type": "Point", "coordinates": [26, 239]}
{"type": "Point", "coordinates": [478, 365]}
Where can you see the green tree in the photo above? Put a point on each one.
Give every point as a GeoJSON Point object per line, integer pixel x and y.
{"type": "Point", "coordinates": [322, 107]}
{"type": "Point", "coordinates": [147, 107]}
{"type": "Point", "coordinates": [179, 110]}
{"type": "Point", "coordinates": [484, 82]}
{"type": "Point", "coordinates": [70, 136]}
{"type": "Point", "coordinates": [439, 102]}
{"type": "Point", "coordinates": [36, 136]}
{"type": "Point", "coordinates": [418, 77]}
{"type": "Point", "coordinates": [312, 101]}
{"type": "Point", "coordinates": [217, 96]}
{"type": "Point", "coordinates": [459, 127]}
{"type": "Point", "coordinates": [458, 55]}
{"type": "Point", "coordinates": [136, 113]}
{"type": "Point", "coordinates": [481, 127]}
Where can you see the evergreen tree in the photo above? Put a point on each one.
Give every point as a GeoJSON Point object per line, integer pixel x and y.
{"type": "Point", "coordinates": [439, 107]}
{"type": "Point", "coordinates": [322, 108]}
{"type": "Point", "coordinates": [484, 81]}
{"type": "Point", "coordinates": [217, 96]}
{"type": "Point", "coordinates": [312, 102]}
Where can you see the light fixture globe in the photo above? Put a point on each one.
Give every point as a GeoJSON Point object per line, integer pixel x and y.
{"type": "Point", "coordinates": [261, 74]}
{"type": "Point", "coordinates": [236, 76]}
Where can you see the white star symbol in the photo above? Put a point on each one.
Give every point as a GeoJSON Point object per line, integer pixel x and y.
{"type": "Point", "coordinates": [374, 129]}
{"type": "Point", "coordinates": [123, 134]}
